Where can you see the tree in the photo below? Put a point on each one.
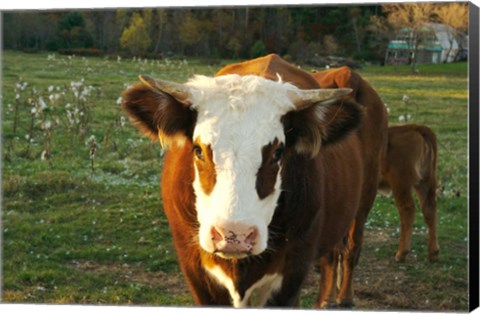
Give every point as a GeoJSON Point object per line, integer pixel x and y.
{"type": "Point", "coordinates": [194, 32]}
{"type": "Point", "coordinates": [454, 15]}
{"type": "Point", "coordinates": [72, 31]}
{"type": "Point", "coordinates": [258, 49]}
{"type": "Point", "coordinates": [135, 37]}
{"type": "Point", "coordinates": [30, 31]}
{"type": "Point", "coordinates": [330, 45]}
{"type": "Point", "coordinates": [411, 19]}
{"type": "Point", "coordinates": [380, 34]}
{"type": "Point", "coordinates": [160, 22]}
{"type": "Point", "coordinates": [355, 14]}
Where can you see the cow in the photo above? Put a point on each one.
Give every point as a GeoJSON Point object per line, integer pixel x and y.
{"type": "Point", "coordinates": [411, 164]}
{"type": "Point", "coordinates": [263, 174]}
{"type": "Point", "coordinates": [372, 137]}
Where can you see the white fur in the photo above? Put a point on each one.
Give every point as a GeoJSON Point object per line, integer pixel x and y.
{"type": "Point", "coordinates": [267, 285]}
{"type": "Point", "coordinates": [237, 116]}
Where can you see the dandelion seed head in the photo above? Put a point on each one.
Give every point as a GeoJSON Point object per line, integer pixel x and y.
{"type": "Point", "coordinates": [43, 155]}
{"type": "Point", "coordinates": [47, 125]}
{"type": "Point", "coordinates": [42, 103]}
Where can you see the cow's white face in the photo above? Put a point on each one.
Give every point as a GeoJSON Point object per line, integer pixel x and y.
{"type": "Point", "coordinates": [235, 125]}
{"type": "Point", "coordinates": [238, 130]}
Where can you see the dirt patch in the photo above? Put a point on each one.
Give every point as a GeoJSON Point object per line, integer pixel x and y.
{"type": "Point", "coordinates": [380, 283]}
{"type": "Point", "coordinates": [172, 283]}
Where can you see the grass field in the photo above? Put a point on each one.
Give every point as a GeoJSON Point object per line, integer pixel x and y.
{"type": "Point", "coordinates": [82, 219]}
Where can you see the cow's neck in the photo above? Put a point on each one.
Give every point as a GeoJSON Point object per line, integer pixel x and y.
{"type": "Point", "coordinates": [242, 288]}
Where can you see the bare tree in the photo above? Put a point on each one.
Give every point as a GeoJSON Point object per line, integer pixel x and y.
{"type": "Point", "coordinates": [160, 22]}
{"type": "Point", "coordinates": [412, 18]}
{"type": "Point", "coordinates": [454, 15]}
{"type": "Point", "coordinates": [355, 14]}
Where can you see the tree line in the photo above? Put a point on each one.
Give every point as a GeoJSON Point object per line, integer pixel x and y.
{"type": "Point", "coordinates": [359, 32]}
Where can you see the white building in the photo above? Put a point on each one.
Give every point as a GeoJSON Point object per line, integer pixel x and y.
{"type": "Point", "coordinates": [447, 38]}
{"type": "Point", "coordinates": [440, 44]}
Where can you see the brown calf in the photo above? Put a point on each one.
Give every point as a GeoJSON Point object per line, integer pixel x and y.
{"type": "Point", "coordinates": [411, 164]}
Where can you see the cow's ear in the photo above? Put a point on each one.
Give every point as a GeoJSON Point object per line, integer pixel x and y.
{"type": "Point", "coordinates": [159, 114]}
{"type": "Point", "coordinates": [321, 124]}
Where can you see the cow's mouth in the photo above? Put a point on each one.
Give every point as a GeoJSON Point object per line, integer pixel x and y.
{"type": "Point", "coordinates": [233, 255]}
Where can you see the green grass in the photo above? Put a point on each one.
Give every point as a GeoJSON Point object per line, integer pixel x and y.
{"type": "Point", "coordinates": [73, 235]}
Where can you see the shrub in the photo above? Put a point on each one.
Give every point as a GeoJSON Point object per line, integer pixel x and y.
{"type": "Point", "coordinates": [87, 52]}
{"type": "Point", "coordinates": [258, 49]}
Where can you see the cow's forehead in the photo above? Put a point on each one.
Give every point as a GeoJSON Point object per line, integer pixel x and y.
{"type": "Point", "coordinates": [238, 93]}
{"type": "Point", "coordinates": [241, 110]}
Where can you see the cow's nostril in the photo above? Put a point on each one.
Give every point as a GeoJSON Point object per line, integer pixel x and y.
{"type": "Point", "coordinates": [252, 237]}
{"type": "Point", "coordinates": [216, 236]}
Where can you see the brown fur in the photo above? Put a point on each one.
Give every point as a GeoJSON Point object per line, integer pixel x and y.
{"type": "Point", "coordinates": [205, 166]}
{"type": "Point", "coordinates": [319, 200]}
{"type": "Point", "coordinates": [158, 115]}
{"type": "Point", "coordinates": [267, 173]}
{"type": "Point", "coordinates": [372, 140]}
{"type": "Point", "coordinates": [411, 164]}
{"type": "Point", "coordinates": [268, 67]}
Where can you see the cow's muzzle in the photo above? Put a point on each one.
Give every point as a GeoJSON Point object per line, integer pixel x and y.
{"type": "Point", "coordinates": [238, 242]}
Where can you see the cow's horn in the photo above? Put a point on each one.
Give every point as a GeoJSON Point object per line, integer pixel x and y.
{"type": "Point", "coordinates": [307, 97]}
{"type": "Point", "coordinates": [178, 91]}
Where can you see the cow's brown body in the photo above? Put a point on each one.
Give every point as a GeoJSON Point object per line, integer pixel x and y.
{"type": "Point", "coordinates": [294, 229]}
{"type": "Point", "coordinates": [411, 164]}
{"type": "Point", "coordinates": [321, 194]}
{"type": "Point", "coordinates": [372, 138]}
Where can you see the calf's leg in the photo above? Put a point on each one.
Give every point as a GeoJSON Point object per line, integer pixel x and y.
{"type": "Point", "coordinates": [426, 192]}
{"type": "Point", "coordinates": [402, 194]}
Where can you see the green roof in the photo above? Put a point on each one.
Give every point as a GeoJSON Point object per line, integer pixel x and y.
{"type": "Point", "coordinates": [397, 44]}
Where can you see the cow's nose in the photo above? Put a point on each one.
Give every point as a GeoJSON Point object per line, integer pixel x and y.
{"type": "Point", "coordinates": [234, 243]}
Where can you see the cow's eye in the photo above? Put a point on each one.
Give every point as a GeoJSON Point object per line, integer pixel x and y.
{"type": "Point", "coordinates": [277, 154]}
{"type": "Point", "coordinates": [197, 150]}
